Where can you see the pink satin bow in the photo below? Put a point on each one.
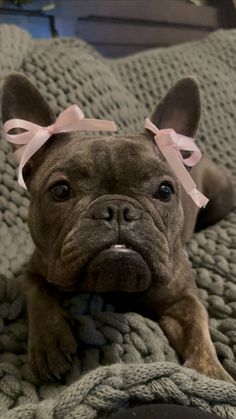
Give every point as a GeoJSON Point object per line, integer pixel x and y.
{"type": "Point", "coordinates": [35, 136]}
{"type": "Point", "coordinates": [170, 145]}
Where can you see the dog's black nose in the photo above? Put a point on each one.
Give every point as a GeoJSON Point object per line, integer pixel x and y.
{"type": "Point", "coordinates": [120, 212]}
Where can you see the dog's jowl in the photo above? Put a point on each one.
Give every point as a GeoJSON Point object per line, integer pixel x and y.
{"type": "Point", "coordinates": [111, 214]}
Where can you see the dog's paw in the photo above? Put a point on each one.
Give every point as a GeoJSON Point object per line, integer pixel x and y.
{"type": "Point", "coordinates": [51, 346]}
{"type": "Point", "coordinates": [211, 368]}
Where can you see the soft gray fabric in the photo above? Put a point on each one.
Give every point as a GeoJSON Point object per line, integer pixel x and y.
{"type": "Point", "coordinates": [123, 359]}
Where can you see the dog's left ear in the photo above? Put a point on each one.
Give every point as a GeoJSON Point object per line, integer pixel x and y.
{"type": "Point", "coordinates": [180, 109]}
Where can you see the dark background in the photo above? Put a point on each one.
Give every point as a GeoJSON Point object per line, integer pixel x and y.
{"type": "Point", "coordinates": [121, 27]}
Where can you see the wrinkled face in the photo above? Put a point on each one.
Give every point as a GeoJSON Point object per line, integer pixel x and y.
{"type": "Point", "coordinates": [105, 213]}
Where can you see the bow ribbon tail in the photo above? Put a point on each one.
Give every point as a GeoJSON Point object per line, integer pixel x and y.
{"type": "Point", "coordinates": [200, 200]}
{"type": "Point", "coordinates": [37, 142]}
{"type": "Point", "coordinates": [175, 161]}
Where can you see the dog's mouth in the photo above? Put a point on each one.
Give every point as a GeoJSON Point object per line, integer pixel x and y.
{"type": "Point", "coordinates": [117, 268]}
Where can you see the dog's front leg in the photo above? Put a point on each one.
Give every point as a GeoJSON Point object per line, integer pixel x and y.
{"type": "Point", "coordinates": [50, 340]}
{"type": "Point", "coordinates": [185, 323]}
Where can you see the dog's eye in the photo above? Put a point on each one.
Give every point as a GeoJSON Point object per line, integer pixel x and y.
{"type": "Point", "coordinates": [164, 192]}
{"type": "Point", "coordinates": [61, 192]}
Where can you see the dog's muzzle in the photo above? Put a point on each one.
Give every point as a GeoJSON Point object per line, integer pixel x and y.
{"type": "Point", "coordinates": [118, 267]}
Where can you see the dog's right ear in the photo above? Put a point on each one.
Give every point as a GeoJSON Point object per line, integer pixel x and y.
{"type": "Point", "coordinates": [21, 100]}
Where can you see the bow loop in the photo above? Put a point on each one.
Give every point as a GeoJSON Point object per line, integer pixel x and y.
{"type": "Point", "coordinates": [68, 119]}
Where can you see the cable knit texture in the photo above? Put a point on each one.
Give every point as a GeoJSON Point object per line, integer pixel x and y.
{"type": "Point", "coordinates": [124, 359]}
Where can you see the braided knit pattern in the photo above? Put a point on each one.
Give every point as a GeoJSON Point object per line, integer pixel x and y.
{"type": "Point", "coordinates": [123, 359]}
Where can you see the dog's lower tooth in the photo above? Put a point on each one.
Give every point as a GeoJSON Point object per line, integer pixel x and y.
{"type": "Point", "coordinates": [120, 246]}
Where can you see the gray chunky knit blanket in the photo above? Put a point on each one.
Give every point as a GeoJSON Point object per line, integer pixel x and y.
{"type": "Point", "coordinates": [124, 359]}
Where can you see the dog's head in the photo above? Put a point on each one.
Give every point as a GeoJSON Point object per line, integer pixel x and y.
{"type": "Point", "coordinates": [105, 212]}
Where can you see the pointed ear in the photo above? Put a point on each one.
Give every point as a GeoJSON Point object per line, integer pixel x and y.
{"type": "Point", "coordinates": [180, 108]}
{"type": "Point", "coordinates": [20, 99]}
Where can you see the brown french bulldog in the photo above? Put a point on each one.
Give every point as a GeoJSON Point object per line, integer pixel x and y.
{"type": "Point", "coordinates": [107, 214]}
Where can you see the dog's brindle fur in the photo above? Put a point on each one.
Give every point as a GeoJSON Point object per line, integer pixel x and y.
{"type": "Point", "coordinates": [114, 180]}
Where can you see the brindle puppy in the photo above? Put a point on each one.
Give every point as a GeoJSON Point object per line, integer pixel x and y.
{"type": "Point", "coordinates": [109, 215]}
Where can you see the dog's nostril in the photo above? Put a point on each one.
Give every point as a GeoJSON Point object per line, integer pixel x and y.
{"type": "Point", "coordinates": [105, 213]}
{"type": "Point", "coordinates": [131, 214]}
{"type": "Point", "coordinates": [109, 214]}
{"type": "Point", "coordinates": [127, 214]}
